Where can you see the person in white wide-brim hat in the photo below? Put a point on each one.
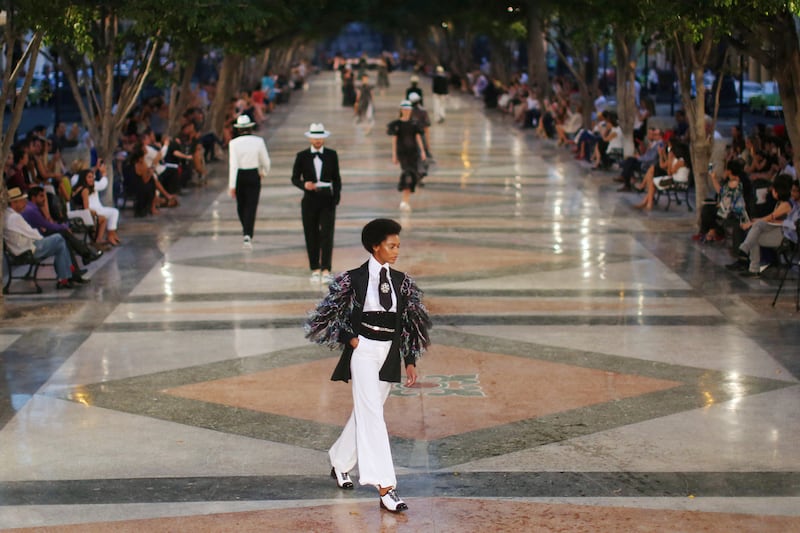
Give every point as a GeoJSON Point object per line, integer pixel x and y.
{"type": "Point", "coordinates": [248, 164]}
{"type": "Point", "coordinates": [316, 173]}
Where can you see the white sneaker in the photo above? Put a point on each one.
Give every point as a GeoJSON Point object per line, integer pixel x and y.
{"type": "Point", "coordinates": [404, 206]}
{"type": "Point", "coordinates": [248, 243]}
{"type": "Point", "coordinates": [327, 278]}
{"type": "Point", "coordinates": [315, 277]}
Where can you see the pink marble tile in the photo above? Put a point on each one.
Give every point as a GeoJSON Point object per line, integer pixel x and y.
{"type": "Point", "coordinates": [460, 390]}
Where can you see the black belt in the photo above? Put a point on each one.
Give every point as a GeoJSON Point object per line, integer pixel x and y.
{"type": "Point", "coordinates": [378, 325]}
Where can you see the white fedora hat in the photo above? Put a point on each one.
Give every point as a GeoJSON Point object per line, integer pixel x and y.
{"type": "Point", "coordinates": [316, 131]}
{"type": "Point", "coordinates": [244, 121]}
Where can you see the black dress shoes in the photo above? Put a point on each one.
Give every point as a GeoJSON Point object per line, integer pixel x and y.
{"type": "Point", "coordinates": [92, 255]}
{"type": "Point", "coordinates": [392, 502]}
{"type": "Point", "coordinates": [738, 265]}
{"type": "Point", "coordinates": [342, 479]}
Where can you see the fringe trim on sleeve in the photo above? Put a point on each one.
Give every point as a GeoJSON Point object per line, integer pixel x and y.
{"type": "Point", "coordinates": [331, 318]}
{"type": "Point", "coordinates": [415, 322]}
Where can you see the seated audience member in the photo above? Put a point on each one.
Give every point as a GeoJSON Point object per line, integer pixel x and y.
{"type": "Point", "coordinates": [610, 141]}
{"type": "Point", "coordinates": [566, 130]}
{"type": "Point", "coordinates": [763, 166]}
{"type": "Point", "coordinates": [786, 161]}
{"type": "Point", "coordinates": [586, 139]}
{"type": "Point", "coordinates": [20, 237]}
{"type": "Point", "coordinates": [673, 161]}
{"type": "Point", "coordinates": [681, 129]}
{"type": "Point", "coordinates": [81, 191]}
{"type": "Point", "coordinates": [17, 173]}
{"type": "Point", "coordinates": [42, 173]}
{"type": "Point", "coordinates": [147, 184]}
{"type": "Point", "coordinates": [767, 231]}
{"type": "Point", "coordinates": [641, 163]}
{"type": "Point", "coordinates": [737, 145]}
{"type": "Point", "coordinates": [554, 112]}
{"type": "Point", "coordinates": [191, 145]}
{"type": "Point", "coordinates": [62, 139]}
{"type": "Point", "coordinates": [730, 209]}
{"type": "Point", "coordinates": [100, 178]}
{"type": "Point", "coordinates": [647, 109]}
{"type": "Point", "coordinates": [34, 215]}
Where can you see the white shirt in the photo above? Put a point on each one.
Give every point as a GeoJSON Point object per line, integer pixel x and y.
{"type": "Point", "coordinates": [18, 234]}
{"type": "Point", "coordinates": [317, 162]}
{"type": "Point", "coordinates": [247, 152]}
{"type": "Point", "coordinates": [372, 301]}
{"type": "Point", "coordinates": [150, 156]}
{"type": "Point", "coordinates": [94, 196]}
{"type": "Point", "coordinates": [617, 142]}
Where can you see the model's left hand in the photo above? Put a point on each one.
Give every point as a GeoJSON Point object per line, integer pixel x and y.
{"type": "Point", "coordinates": [411, 375]}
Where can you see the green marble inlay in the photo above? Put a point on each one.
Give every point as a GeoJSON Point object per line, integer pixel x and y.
{"type": "Point", "coordinates": [443, 385]}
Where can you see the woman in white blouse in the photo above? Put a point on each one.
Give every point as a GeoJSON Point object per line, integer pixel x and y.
{"type": "Point", "coordinates": [248, 163]}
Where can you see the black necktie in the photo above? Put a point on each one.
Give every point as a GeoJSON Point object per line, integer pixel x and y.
{"type": "Point", "coordinates": [385, 289]}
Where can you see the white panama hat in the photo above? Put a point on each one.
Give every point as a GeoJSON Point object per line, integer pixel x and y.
{"type": "Point", "coordinates": [317, 131]}
{"type": "Point", "coordinates": [244, 121]}
{"type": "Point", "coordinates": [406, 104]}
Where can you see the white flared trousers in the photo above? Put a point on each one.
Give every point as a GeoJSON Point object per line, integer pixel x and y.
{"type": "Point", "coordinates": [365, 439]}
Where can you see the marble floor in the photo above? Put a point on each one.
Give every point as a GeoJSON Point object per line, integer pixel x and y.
{"type": "Point", "coordinates": [593, 369]}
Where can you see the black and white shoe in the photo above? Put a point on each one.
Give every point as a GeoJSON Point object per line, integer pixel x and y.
{"type": "Point", "coordinates": [391, 501]}
{"type": "Point", "coordinates": [342, 479]}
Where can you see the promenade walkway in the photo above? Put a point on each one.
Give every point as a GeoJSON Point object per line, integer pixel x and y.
{"type": "Point", "coordinates": [593, 369]}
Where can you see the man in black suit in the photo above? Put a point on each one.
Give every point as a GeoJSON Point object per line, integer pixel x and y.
{"type": "Point", "coordinates": [316, 172]}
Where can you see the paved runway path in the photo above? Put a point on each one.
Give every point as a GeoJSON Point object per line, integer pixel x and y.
{"type": "Point", "coordinates": [593, 369]}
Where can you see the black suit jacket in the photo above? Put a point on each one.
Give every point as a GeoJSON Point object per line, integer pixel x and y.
{"type": "Point", "coordinates": [390, 371]}
{"type": "Point", "coordinates": [303, 171]}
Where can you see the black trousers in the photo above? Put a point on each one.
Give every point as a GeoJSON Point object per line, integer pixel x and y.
{"type": "Point", "coordinates": [248, 190]}
{"type": "Point", "coordinates": [319, 218]}
{"type": "Point", "coordinates": [74, 246]}
{"type": "Point", "coordinates": [145, 194]}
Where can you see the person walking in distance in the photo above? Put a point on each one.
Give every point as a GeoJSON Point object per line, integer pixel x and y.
{"type": "Point", "coordinates": [408, 151]}
{"type": "Point", "coordinates": [316, 173]}
{"type": "Point", "coordinates": [440, 91]}
{"type": "Point", "coordinates": [248, 164]}
{"type": "Point", "coordinates": [364, 106]}
{"type": "Point", "coordinates": [376, 314]}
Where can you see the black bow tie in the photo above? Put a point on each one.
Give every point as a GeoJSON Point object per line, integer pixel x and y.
{"type": "Point", "coordinates": [317, 154]}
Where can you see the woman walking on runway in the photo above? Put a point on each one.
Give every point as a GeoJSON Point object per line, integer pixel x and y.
{"type": "Point", "coordinates": [248, 163]}
{"type": "Point", "coordinates": [407, 151]}
{"type": "Point", "coordinates": [377, 314]}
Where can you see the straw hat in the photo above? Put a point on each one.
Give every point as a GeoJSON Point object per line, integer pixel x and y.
{"type": "Point", "coordinates": [15, 193]}
{"type": "Point", "coordinates": [406, 104]}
